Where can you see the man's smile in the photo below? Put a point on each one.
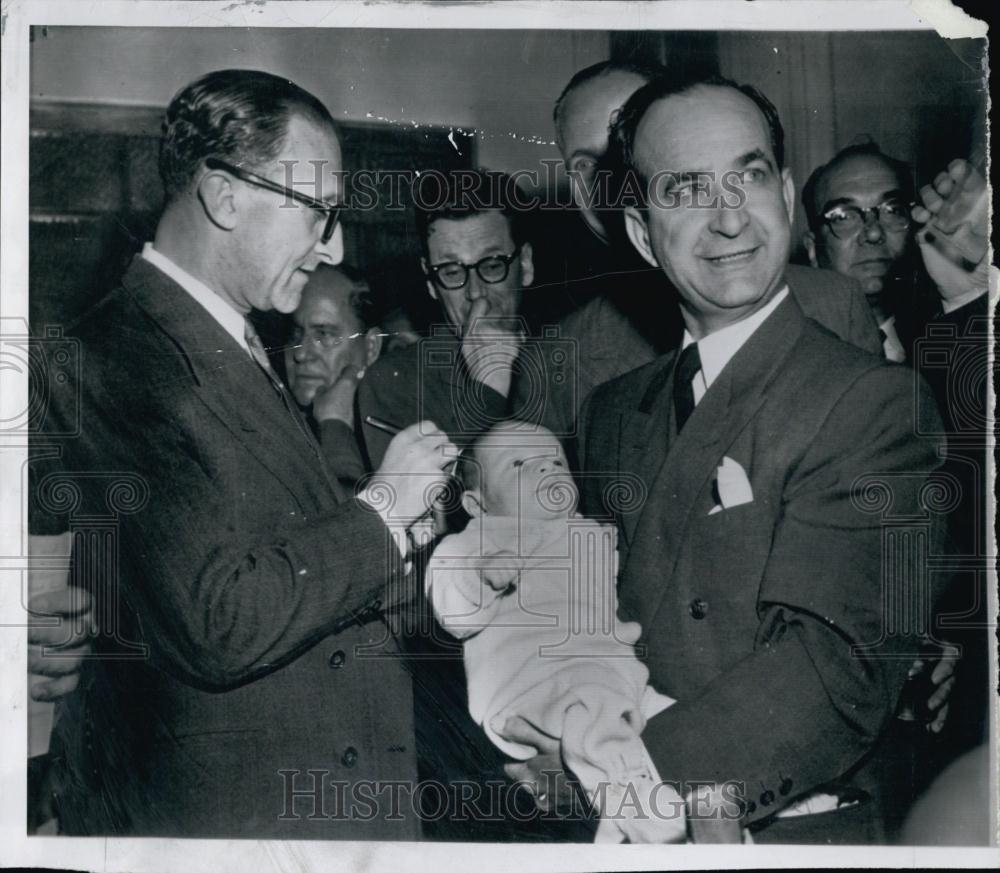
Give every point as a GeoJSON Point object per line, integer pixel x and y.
{"type": "Point", "coordinates": [732, 258]}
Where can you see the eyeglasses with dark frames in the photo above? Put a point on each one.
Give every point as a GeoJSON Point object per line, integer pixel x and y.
{"type": "Point", "coordinates": [331, 212]}
{"type": "Point", "coordinates": [453, 275]}
{"type": "Point", "coordinates": [845, 221]}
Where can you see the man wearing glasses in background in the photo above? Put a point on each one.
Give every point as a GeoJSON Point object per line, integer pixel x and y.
{"type": "Point", "coordinates": [859, 211]}
{"type": "Point", "coordinates": [332, 341]}
{"type": "Point", "coordinates": [477, 262]}
{"type": "Point", "coordinates": [242, 585]}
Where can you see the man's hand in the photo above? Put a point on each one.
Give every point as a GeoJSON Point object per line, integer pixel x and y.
{"type": "Point", "coordinates": [943, 681]}
{"type": "Point", "coordinates": [490, 348]}
{"type": "Point", "coordinates": [412, 472]}
{"type": "Point", "coordinates": [336, 400]}
{"type": "Point", "coordinates": [955, 237]}
{"type": "Point", "coordinates": [544, 775]}
{"type": "Point", "coordinates": [56, 672]}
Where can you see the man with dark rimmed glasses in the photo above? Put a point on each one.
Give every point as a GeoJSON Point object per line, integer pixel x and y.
{"type": "Point", "coordinates": [243, 675]}
{"type": "Point", "coordinates": [476, 260]}
{"type": "Point", "coordinates": [860, 210]}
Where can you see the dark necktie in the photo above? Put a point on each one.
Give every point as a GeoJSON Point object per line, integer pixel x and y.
{"type": "Point", "coordinates": [688, 365]}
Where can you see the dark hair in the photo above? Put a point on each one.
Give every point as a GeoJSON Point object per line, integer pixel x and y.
{"type": "Point", "coordinates": [238, 115]}
{"type": "Point", "coordinates": [462, 193]}
{"type": "Point", "coordinates": [869, 148]}
{"type": "Point", "coordinates": [644, 70]}
{"type": "Point", "coordinates": [359, 298]}
{"type": "Point", "coordinates": [621, 153]}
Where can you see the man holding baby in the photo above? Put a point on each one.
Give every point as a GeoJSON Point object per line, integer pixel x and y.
{"type": "Point", "coordinates": [755, 565]}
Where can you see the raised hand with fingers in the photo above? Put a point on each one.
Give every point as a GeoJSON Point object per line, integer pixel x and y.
{"type": "Point", "coordinates": [490, 347]}
{"type": "Point", "coordinates": [954, 239]}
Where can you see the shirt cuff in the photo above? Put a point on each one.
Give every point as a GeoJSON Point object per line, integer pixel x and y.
{"type": "Point", "coordinates": [950, 305]}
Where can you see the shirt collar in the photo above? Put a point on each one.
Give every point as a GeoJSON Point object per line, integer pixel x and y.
{"type": "Point", "coordinates": [716, 349]}
{"type": "Point", "coordinates": [228, 318]}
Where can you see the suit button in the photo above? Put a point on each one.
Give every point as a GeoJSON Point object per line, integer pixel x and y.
{"type": "Point", "coordinates": [785, 786]}
{"type": "Point", "coordinates": [698, 608]}
{"type": "Point", "coordinates": [751, 807]}
{"type": "Point", "coordinates": [337, 659]}
{"type": "Point", "coordinates": [767, 798]}
{"type": "Point", "coordinates": [350, 757]}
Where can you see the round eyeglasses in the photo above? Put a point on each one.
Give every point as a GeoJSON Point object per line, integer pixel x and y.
{"type": "Point", "coordinates": [845, 221]}
{"type": "Point", "coordinates": [329, 211]}
{"type": "Point", "coordinates": [453, 275]}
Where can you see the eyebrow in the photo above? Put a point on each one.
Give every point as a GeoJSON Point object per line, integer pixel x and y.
{"type": "Point", "coordinates": [894, 194]}
{"type": "Point", "coordinates": [755, 155]}
{"type": "Point", "coordinates": [585, 153]}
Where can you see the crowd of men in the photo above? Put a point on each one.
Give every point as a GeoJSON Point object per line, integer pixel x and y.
{"type": "Point", "coordinates": [260, 662]}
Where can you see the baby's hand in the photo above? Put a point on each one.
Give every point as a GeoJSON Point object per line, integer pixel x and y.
{"type": "Point", "coordinates": [502, 570]}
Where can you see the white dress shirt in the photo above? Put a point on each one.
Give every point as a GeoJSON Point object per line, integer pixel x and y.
{"type": "Point", "coordinates": [892, 347]}
{"type": "Point", "coordinates": [716, 349]}
{"type": "Point", "coordinates": [228, 318]}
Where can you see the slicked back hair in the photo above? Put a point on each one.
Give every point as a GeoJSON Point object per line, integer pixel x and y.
{"type": "Point", "coordinates": [240, 116]}
{"type": "Point", "coordinates": [459, 194]}
{"type": "Point", "coordinates": [359, 298]}
{"type": "Point", "coordinates": [621, 153]}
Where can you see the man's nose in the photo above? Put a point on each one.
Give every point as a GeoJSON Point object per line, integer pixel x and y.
{"type": "Point", "coordinates": [727, 219]}
{"type": "Point", "coordinates": [300, 351]}
{"type": "Point", "coordinates": [475, 287]}
{"type": "Point", "coordinates": [332, 251]}
{"type": "Point", "coordinates": [873, 231]}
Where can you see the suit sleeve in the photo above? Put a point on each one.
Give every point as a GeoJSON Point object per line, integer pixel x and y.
{"type": "Point", "coordinates": [829, 659]}
{"type": "Point", "coordinates": [861, 324]}
{"type": "Point", "coordinates": [342, 452]}
{"type": "Point", "coordinates": [224, 582]}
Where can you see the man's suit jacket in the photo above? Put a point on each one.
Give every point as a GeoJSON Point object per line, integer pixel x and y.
{"type": "Point", "coordinates": [240, 565]}
{"type": "Point", "coordinates": [749, 614]}
{"type": "Point", "coordinates": [608, 343]}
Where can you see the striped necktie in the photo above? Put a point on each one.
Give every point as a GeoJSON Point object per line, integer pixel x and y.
{"type": "Point", "coordinates": [259, 354]}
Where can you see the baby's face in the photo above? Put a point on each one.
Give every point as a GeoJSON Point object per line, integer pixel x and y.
{"type": "Point", "coordinates": [526, 475]}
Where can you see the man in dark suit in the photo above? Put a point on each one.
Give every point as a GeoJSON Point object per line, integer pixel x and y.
{"type": "Point", "coordinates": [244, 681]}
{"type": "Point", "coordinates": [755, 562]}
{"type": "Point", "coordinates": [629, 314]}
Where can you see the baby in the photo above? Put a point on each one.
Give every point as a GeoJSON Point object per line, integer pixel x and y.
{"type": "Point", "coordinates": [530, 587]}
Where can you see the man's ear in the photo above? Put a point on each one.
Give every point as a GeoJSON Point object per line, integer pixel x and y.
{"type": "Point", "coordinates": [527, 265]}
{"type": "Point", "coordinates": [809, 241]}
{"type": "Point", "coordinates": [638, 234]}
{"type": "Point", "coordinates": [472, 502]}
{"type": "Point", "coordinates": [788, 193]}
{"type": "Point", "coordinates": [373, 345]}
{"type": "Point", "coordinates": [217, 198]}
{"type": "Point", "coordinates": [430, 285]}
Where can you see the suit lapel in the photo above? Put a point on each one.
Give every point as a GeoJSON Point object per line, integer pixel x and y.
{"type": "Point", "coordinates": [227, 379]}
{"type": "Point", "coordinates": [644, 437]}
{"type": "Point", "coordinates": [694, 455]}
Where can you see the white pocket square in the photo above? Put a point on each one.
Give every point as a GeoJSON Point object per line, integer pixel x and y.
{"type": "Point", "coordinates": [731, 487]}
